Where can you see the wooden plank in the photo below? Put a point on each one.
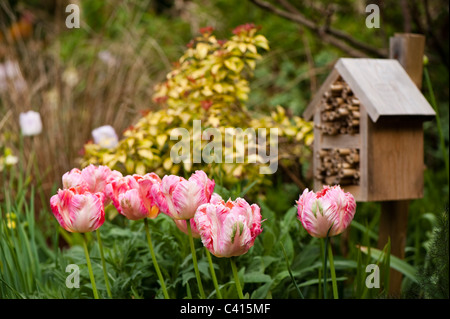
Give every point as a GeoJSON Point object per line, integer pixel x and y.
{"type": "Point", "coordinates": [384, 87]}
{"type": "Point", "coordinates": [363, 155]}
{"type": "Point", "coordinates": [315, 102]}
{"type": "Point", "coordinates": [340, 140]}
{"type": "Point", "coordinates": [395, 157]}
{"type": "Point", "coordinates": [317, 185]}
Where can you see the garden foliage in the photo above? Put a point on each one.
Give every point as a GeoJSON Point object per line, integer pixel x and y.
{"type": "Point", "coordinates": [210, 83]}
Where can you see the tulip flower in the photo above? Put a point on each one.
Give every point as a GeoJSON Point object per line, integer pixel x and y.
{"type": "Point", "coordinates": [327, 212]}
{"type": "Point", "coordinates": [105, 136]}
{"type": "Point", "coordinates": [228, 229]}
{"type": "Point", "coordinates": [30, 123]}
{"type": "Point", "coordinates": [323, 214]}
{"type": "Point", "coordinates": [97, 177]}
{"type": "Point", "coordinates": [120, 186]}
{"type": "Point", "coordinates": [73, 178]}
{"type": "Point", "coordinates": [146, 183]}
{"type": "Point", "coordinates": [78, 211]}
{"type": "Point", "coordinates": [132, 197]}
{"type": "Point", "coordinates": [92, 179]}
{"type": "Point", "coordinates": [179, 198]}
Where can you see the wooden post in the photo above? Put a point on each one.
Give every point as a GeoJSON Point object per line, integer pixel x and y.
{"type": "Point", "coordinates": [408, 49]}
{"type": "Point", "coordinates": [394, 225]}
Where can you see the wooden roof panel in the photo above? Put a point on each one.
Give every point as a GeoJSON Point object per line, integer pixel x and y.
{"type": "Point", "coordinates": [382, 86]}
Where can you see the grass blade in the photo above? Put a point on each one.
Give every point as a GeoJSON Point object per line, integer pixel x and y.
{"type": "Point", "coordinates": [395, 262]}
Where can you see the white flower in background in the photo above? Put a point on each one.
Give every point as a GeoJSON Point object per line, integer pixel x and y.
{"type": "Point", "coordinates": [11, 160]}
{"type": "Point", "coordinates": [70, 76]}
{"type": "Point", "coordinates": [10, 73]}
{"type": "Point", "coordinates": [30, 123]}
{"type": "Point", "coordinates": [105, 136]}
{"type": "Point", "coordinates": [7, 159]}
{"type": "Point", "coordinates": [106, 57]}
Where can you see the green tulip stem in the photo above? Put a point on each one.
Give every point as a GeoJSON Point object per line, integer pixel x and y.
{"type": "Point", "coordinates": [333, 273]}
{"type": "Point", "coordinates": [236, 278]}
{"type": "Point", "coordinates": [88, 261]}
{"type": "Point", "coordinates": [213, 274]}
{"type": "Point", "coordinates": [325, 296]}
{"type": "Point", "coordinates": [155, 262]}
{"type": "Point", "coordinates": [194, 260]}
{"type": "Point", "coordinates": [105, 272]}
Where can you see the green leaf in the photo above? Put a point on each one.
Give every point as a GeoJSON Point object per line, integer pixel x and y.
{"type": "Point", "coordinates": [223, 192]}
{"type": "Point", "coordinates": [316, 281]}
{"type": "Point", "coordinates": [247, 188]}
{"type": "Point", "coordinates": [261, 292]}
{"type": "Point", "coordinates": [255, 277]}
{"type": "Point", "coordinates": [365, 229]}
{"type": "Point", "coordinates": [395, 262]}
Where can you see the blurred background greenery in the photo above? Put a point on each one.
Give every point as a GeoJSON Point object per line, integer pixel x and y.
{"type": "Point", "coordinates": [76, 90]}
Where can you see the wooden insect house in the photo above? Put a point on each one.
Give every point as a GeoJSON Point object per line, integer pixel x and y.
{"type": "Point", "coordinates": [368, 134]}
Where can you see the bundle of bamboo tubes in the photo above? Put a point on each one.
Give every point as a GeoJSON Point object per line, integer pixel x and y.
{"type": "Point", "coordinates": [339, 110]}
{"type": "Point", "coordinates": [338, 166]}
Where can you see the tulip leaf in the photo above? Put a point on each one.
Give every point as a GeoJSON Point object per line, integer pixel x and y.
{"type": "Point", "coordinates": [395, 262]}
{"type": "Point", "coordinates": [316, 281]}
{"type": "Point", "coordinates": [256, 277]}
{"type": "Point", "coordinates": [261, 292]}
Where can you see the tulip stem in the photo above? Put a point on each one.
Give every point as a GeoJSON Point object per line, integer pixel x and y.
{"type": "Point", "coordinates": [325, 296]}
{"type": "Point", "coordinates": [333, 273]}
{"type": "Point", "coordinates": [236, 278]}
{"type": "Point", "coordinates": [88, 261]}
{"type": "Point", "coordinates": [155, 262]}
{"type": "Point", "coordinates": [105, 272]}
{"type": "Point", "coordinates": [194, 260]}
{"type": "Point", "coordinates": [213, 274]}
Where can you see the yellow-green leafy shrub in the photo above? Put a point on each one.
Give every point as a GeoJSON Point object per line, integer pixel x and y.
{"type": "Point", "coordinates": [210, 83]}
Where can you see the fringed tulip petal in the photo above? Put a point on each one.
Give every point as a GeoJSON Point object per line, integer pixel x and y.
{"type": "Point", "coordinates": [78, 211]}
{"type": "Point", "coordinates": [179, 198]}
{"type": "Point", "coordinates": [329, 211]}
{"type": "Point", "coordinates": [228, 229]}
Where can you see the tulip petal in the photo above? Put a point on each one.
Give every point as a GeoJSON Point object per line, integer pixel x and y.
{"type": "Point", "coordinates": [327, 212]}
{"type": "Point", "coordinates": [77, 210]}
{"type": "Point", "coordinates": [132, 206]}
{"type": "Point", "coordinates": [228, 229]}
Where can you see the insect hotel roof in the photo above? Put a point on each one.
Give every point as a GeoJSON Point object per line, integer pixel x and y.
{"type": "Point", "coordinates": [382, 85]}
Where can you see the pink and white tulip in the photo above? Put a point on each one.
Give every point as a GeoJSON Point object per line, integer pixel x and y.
{"type": "Point", "coordinates": [97, 177]}
{"type": "Point", "coordinates": [73, 179]}
{"type": "Point", "coordinates": [132, 197]}
{"type": "Point", "coordinates": [179, 198]}
{"type": "Point", "coordinates": [92, 179]}
{"type": "Point", "coordinates": [327, 210]}
{"type": "Point", "coordinates": [146, 183]}
{"type": "Point", "coordinates": [119, 186]}
{"type": "Point", "coordinates": [78, 211]}
{"type": "Point", "coordinates": [228, 229]}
